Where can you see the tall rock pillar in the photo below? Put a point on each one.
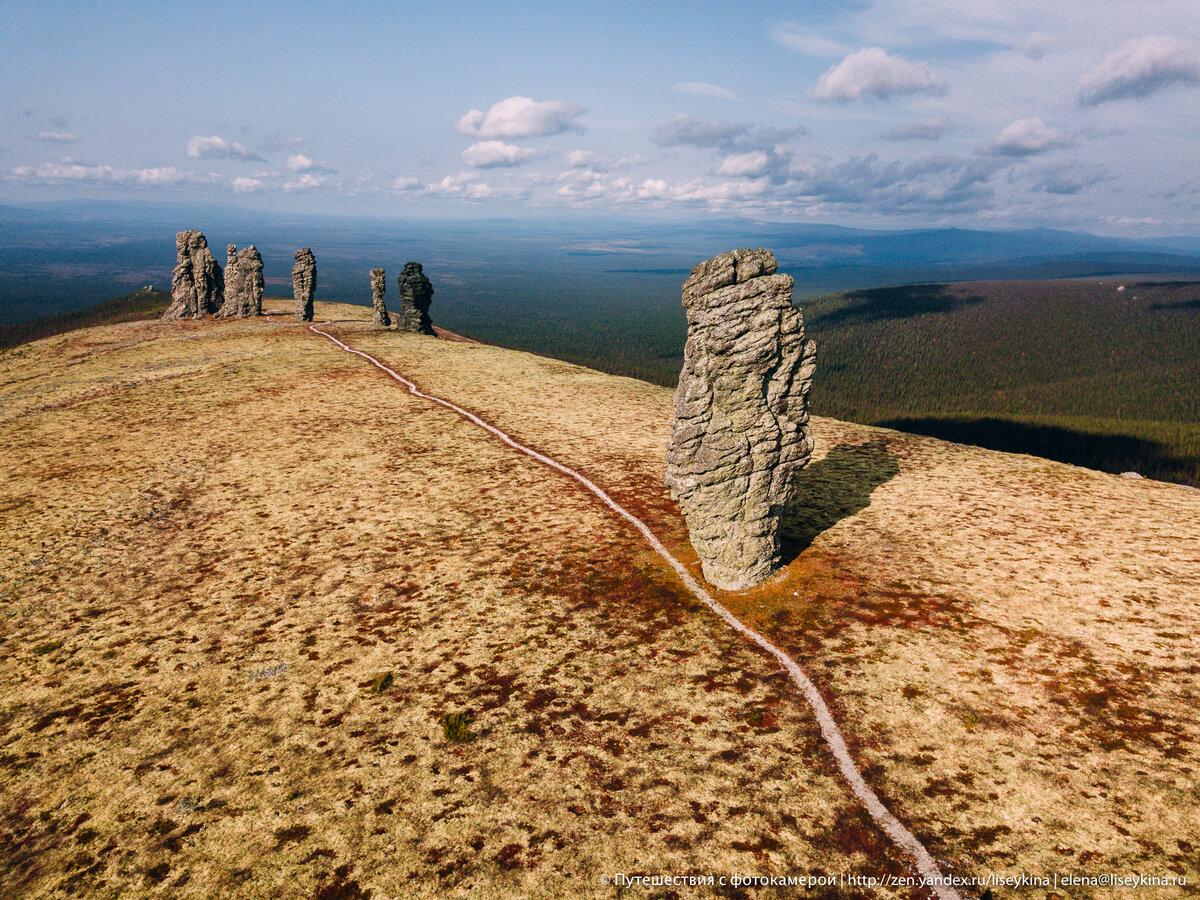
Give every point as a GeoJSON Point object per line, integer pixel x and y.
{"type": "Point", "coordinates": [197, 285]}
{"type": "Point", "coordinates": [415, 295]}
{"type": "Point", "coordinates": [304, 283]}
{"type": "Point", "coordinates": [378, 289]}
{"type": "Point", "coordinates": [740, 432]}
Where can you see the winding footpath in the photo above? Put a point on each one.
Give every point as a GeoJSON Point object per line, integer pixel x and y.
{"type": "Point", "coordinates": [893, 827]}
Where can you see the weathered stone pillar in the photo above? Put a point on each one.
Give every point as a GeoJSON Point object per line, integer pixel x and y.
{"type": "Point", "coordinates": [197, 285]}
{"type": "Point", "coordinates": [740, 432]}
{"type": "Point", "coordinates": [415, 295]}
{"type": "Point", "coordinates": [378, 289]}
{"type": "Point", "coordinates": [304, 283]}
{"type": "Point", "coordinates": [243, 283]}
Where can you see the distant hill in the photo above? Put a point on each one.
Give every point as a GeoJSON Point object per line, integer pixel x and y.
{"type": "Point", "coordinates": [59, 256]}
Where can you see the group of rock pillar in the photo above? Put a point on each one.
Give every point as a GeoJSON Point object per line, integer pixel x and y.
{"type": "Point", "coordinates": [200, 287]}
{"type": "Point", "coordinates": [416, 294]}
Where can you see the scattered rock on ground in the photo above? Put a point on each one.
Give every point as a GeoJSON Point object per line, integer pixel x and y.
{"type": "Point", "coordinates": [740, 431]}
{"type": "Point", "coordinates": [378, 289]}
{"type": "Point", "coordinates": [197, 285]}
{"type": "Point", "coordinates": [416, 293]}
{"type": "Point", "coordinates": [304, 283]}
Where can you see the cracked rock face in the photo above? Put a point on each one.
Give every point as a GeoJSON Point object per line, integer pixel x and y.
{"type": "Point", "coordinates": [198, 284]}
{"type": "Point", "coordinates": [304, 283]}
{"type": "Point", "coordinates": [740, 431]}
{"type": "Point", "coordinates": [243, 283]}
{"type": "Point", "coordinates": [416, 293]}
{"type": "Point", "coordinates": [378, 289]}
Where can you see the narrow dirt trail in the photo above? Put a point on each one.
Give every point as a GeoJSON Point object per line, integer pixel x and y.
{"type": "Point", "coordinates": [904, 839]}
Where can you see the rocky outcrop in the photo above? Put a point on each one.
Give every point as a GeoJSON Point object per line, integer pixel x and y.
{"type": "Point", "coordinates": [243, 283]}
{"type": "Point", "coordinates": [740, 431]}
{"type": "Point", "coordinates": [197, 284]}
{"type": "Point", "coordinates": [378, 289]}
{"type": "Point", "coordinates": [304, 283]}
{"type": "Point", "coordinates": [416, 293]}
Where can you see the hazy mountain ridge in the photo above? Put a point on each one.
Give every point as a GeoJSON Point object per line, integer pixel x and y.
{"type": "Point", "coordinates": [59, 256]}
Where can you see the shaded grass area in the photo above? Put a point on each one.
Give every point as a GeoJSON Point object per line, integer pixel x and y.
{"type": "Point", "coordinates": [831, 489]}
{"type": "Point", "coordinates": [140, 305]}
{"type": "Point", "coordinates": [1162, 450]}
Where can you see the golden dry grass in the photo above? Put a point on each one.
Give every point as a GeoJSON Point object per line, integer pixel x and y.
{"type": "Point", "coordinates": [221, 539]}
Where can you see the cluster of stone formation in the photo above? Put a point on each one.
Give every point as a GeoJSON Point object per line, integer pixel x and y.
{"type": "Point", "coordinates": [198, 284]}
{"type": "Point", "coordinates": [416, 293]}
{"type": "Point", "coordinates": [243, 283]}
{"type": "Point", "coordinates": [378, 289]}
{"type": "Point", "coordinates": [304, 283]}
{"type": "Point", "coordinates": [740, 431]}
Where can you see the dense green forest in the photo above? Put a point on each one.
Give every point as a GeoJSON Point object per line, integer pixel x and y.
{"type": "Point", "coordinates": [1103, 374]}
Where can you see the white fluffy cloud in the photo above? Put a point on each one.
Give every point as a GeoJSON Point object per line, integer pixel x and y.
{"type": "Point", "coordinates": [55, 137]}
{"type": "Point", "coordinates": [1140, 67]}
{"type": "Point", "coordinates": [922, 130]}
{"type": "Point", "coordinates": [215, 147]}
{"type": "Point", "coordinates": [704, 90]}
{"type": "Point", "coordinates": [579, 159]}
{"type": "Point", "coordinates": [244, 185]}
{"type": "Point", "coordinates": [497, 154]}
{"type": "Point", "coordinates": [745, 165]}
{"type": "Point", "coordinates": [691, 131]}
{"type": "Point", "coordinates": [71, 171]}
{"type": "Point", "coordinates": [1026, 137]}
{"type": "Point", "coordinates": [871, 72]}
{"type": "Point", "coordinates": [652, 189]}
{"type": "Point", "coordinates": [1036, 45]}
{"type": "Point", "coordinates": [519, 117]}
{"type": "Point", "coordinates": [305, 182]}
{"type": "Point", "coordinates": [300, 162]}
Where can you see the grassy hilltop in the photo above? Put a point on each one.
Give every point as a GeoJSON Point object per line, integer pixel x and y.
{"type": "Point", "coordinates": [271, 626]}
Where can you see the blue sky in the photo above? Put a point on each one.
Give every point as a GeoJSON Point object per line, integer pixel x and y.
{"type": "Point", "coordinates": [974, 113]}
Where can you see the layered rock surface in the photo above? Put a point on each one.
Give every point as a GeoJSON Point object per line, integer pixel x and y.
{"type": "Point", "coordinates": [304, 283]}
{"type": "Point", "coordinates": [378, 289]}
{"type": "Point", "coordinates": [415, 296]}
{"type": "Point", "coordinates": [740, 430]}
{"type": "Point", "coordinates": [197, 284]}
{"type": "Point", "coordinates": [243, 283]}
